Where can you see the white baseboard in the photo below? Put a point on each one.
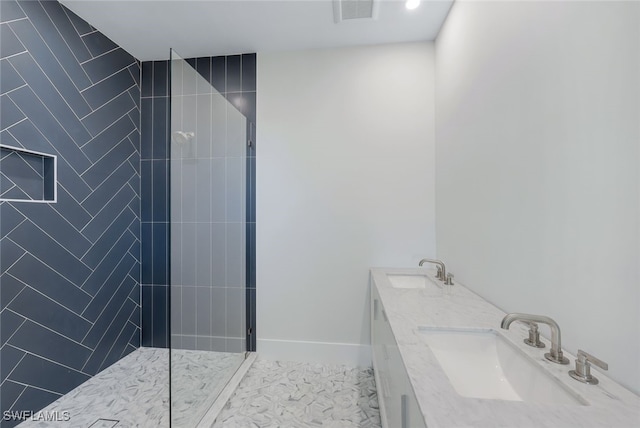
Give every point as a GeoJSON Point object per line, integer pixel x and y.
{"type": "Point", "coordinates": [354, 355]}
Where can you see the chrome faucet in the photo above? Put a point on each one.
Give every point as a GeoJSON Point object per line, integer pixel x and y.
{"type": "Point", "coordinates": [441, 272]}
{"type": "Point", "coordinates": [555, 353]}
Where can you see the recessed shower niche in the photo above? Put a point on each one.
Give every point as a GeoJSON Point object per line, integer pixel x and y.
{"type": "Point", "coordinates": [27, 176]}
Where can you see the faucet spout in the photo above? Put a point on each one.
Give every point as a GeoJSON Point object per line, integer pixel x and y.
{"type": "Point", "coordinates": [555, 353]}
{"type": "Point", "coordinates": [442, 271]}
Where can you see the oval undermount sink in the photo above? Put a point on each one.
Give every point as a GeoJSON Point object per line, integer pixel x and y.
{"type": "Point", "coordinates": [411, 281]}
{"type": "Point", "coordinates": [483, 364]}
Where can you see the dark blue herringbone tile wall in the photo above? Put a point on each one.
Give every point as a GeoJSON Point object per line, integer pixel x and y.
{"type": "Point", "coordinates": [234, 77]}
{"type": "Point", "coordinates": [70, 270]}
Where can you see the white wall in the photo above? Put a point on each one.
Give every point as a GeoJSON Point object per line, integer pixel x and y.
{"type": "Point", "coordinates": [538, 131]}
{"type": "Point", "coordinates": [345, 181]}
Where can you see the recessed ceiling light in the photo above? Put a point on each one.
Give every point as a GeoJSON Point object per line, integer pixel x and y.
{"type": "Point", "coordinates": [412, 4]}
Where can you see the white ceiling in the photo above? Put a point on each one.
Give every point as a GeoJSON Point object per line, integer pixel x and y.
{"type": "Point", "coordinates": [148, 28]}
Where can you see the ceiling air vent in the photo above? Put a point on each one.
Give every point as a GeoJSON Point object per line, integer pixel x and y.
{"type": "Point", "coordinates": [348, 10]}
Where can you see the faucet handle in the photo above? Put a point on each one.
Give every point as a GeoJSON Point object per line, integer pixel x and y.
{"type": "Point", "coordinates": [585, 357]}
{"type": "Point", "coordinates": [582, 372]}
{"type": "Point", "coordinates": [449, 279]}
{"type": "Point", "coordinates": [534, 336]}
{"type": "Point", "coordinates": [439, 273]}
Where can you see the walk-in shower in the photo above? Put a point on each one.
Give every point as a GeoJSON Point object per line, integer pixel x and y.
{"type": "Point", "coordinates": [208, 242]}
{"type": "Point", "coordinates": [204, 256]}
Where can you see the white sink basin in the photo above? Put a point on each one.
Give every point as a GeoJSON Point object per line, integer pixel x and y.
{"type": "Point", "coordinates": [483, 364]}
{"type": "Point", "coordinates": [411, 281]}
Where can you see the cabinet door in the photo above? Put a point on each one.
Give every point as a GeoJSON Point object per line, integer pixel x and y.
{"type": "Point", "coordinates": [395, 383]}
{"type": "Point", "coordinates": [398, 405]}
{"type": "Point", "coordinates": [407, 413]}
{"type": "Point", "coordinates": [384, 350]}
{"type": "Point", "coordinates": [380, 356]}
{"type": "Point", "coordinates": [414, 414]}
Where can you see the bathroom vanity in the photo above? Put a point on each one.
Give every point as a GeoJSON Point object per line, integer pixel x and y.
{"type": "Point", "coordinates": [441, 359]}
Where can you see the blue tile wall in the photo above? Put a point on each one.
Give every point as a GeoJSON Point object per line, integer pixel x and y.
{"type": "Point", "coordinates": [155, 203]}
{"type": "Point", "coordinates": [70, 270]}
{"type": "Point", "coordinates": [234, 77]}
{"type": "Point", "coordinates": [22, 175]}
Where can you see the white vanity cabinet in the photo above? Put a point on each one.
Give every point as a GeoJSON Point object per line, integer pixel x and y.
{"type": "Point", "coordinates": [398, 405]}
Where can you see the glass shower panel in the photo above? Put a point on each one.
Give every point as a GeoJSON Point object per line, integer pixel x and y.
{"type": "Point", "coordinates": [208, 242]}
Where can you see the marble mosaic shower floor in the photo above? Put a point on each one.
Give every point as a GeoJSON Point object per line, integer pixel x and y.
{"type": "Point", "coordinates": [134, 392]}
{"type": "Point", "coordinates": [286, 394]}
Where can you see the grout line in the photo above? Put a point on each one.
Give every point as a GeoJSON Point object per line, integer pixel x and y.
{"type": "Point", "coordinates": [24, 320]}
{"type": "Point", "coordinates": [55, 88]}
{"type": "Point", "coordinates": [95, 110]}
{"type": "Point", "coordinates": [6, 234]}
{"type": "Point", "coordinates": [46, 328]}
{"type": "Point", "coordinates": [104, 207]}
{"type": "Point", "coordinates": [116, 290]}
{"type": "Point", "coordinates": [105, 230]}
{"type": "Point", "coordinates": [53, 147]}
{"type": "Point", "coordinates": [32, 255]}
{"type": "Point", "coordinates": [15, 89]}
{"type": "Point", "coordinates": [105, 78]}
{"type": "Point", "coordinates": [112, 149]}
{"type": "Point", "coordinates": [136, 150]}
{"type": "Point", "coordinates": [54, 362]}
{"type": "Point", "coordinates": [102, 54]}
{"type": "Point", "coordinates": [129, 342]}
{"type": "Point", "coordinates": [55, 240]}
{"type": "Point", "coordinates": [104, 130]}
{"type": "Point", "coordinates": [76, 201]}
{"type": "Point", "coordinates": [13, 381]}
{"type": "Point", "coordinates": [62, 127]}
{"type": "Point", "coordinates": [134, 77]}
{"type": "Point", "coordinates": [27, 386]}
{"type": "Point", "coordinates": [86, 34]}
{"type": "Point", "coordinates": [64, 39]}
{"type": "Point", "coordinates": [53, 54]}
{"type": "Point", "coordinates": [106, 354]}
{"type": "Point", "coordinates": [130, 345]}
{"type": "Point", "coordinates": [80, 36]}
{"type": "Point", "coordinates": [64, 218]}
{"type": "Point", "coordinates": [133, 166]}
{"type": "Point", "coordinates": [130, 96]}
{"type": "Point", "coordinates": [15, 20]}
{"type": "Point", "coordinates": [54, 301]}
{"type": "Point", "coordinates": [8, 128]}
{"type": "Point", "coordinates": [9, 189]}
{"type": "Point", "coordinates": [15, 54]}
{"type": "Point", "coordinates": [105, 333]}
{"type": "Point", "coordinates": [6, 269]}
{"type": "Point", "coordinates": [64, 9]}
{"type": "Point", "coordinates": [135, 216]}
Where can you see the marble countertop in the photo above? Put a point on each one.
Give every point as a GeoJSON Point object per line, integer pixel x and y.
{"type": "Point", "coordinates": [610, 404]}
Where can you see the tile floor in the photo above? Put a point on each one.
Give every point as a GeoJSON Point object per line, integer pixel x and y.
{"type": "Point", "coordinates": [286, 394]}
{"type": "Point", "coordinates": [134, 393]}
